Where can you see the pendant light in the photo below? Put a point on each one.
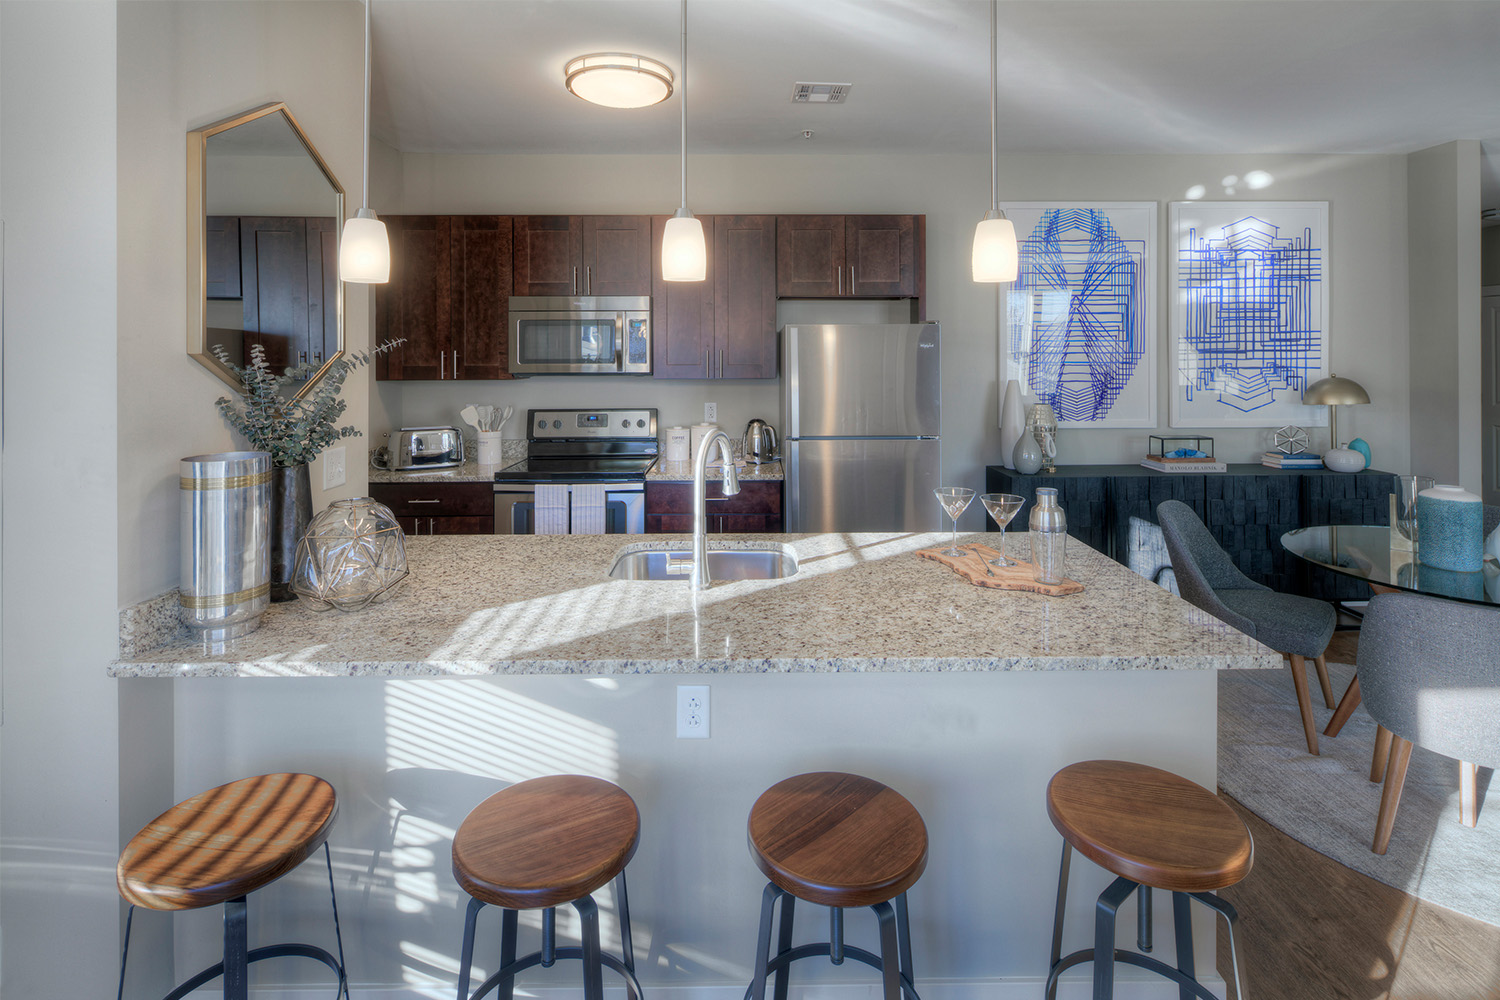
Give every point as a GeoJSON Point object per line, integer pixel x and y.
{"type": "Point", "coordinates": [364, 249]}
{"type": "Point", "coordinates": [995, 256]}
{"type": "Point", "coordinates": [684, 255]}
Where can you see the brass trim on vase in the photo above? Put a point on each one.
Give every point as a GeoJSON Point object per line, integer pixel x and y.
{"type": "Point", "coordinates": [231, 483]}
{"type": "Point", "coordinates": [203, 602]}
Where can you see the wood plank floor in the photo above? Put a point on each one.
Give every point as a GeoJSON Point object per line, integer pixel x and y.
{"type": "Point", "coordinates": [1311, 929]}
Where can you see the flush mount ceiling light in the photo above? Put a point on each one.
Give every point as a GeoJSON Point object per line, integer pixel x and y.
{"type": "Point", "coordinates": [618, 80]}
{"type": "Point", "coordinates": [995, 257]}
{"type": "Point", "coordinates": [684, 254]}
{"type": "Point", "coordinates": [364, 248]}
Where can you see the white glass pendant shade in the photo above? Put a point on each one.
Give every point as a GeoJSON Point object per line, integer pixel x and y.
{"type": "Point", "coordinates": [364, 250]}
{"type": "Point", "coordinates": [618, 80]}
{"type": "Point", "coordinates": [995, 256]}
{"type": "Point", "coordinates": [684, 255]}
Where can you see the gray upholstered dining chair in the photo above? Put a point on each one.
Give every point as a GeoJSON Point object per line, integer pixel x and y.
{"type": "Point", "coordinates": [1429, 670]}
{"type": "Point", "coordinates": [1299, 627]}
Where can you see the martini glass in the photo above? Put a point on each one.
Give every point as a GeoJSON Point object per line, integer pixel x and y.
{"type": "Point", "coordinates": [1002, 507]}
{"type": "Point", "coordinates": [955, 499]}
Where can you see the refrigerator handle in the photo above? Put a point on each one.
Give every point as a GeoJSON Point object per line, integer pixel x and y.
{"type": "Point", "coordinates": [790, 486]}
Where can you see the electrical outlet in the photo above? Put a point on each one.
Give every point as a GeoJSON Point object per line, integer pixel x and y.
{"type": "Point", "coordinates": [711, 413]}
{"type": "Point", "coordinates": [692, 711]}
{"type": "Point", "coordinates": [333, 468]}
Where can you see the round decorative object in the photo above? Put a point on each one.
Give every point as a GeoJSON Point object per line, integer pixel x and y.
{"type": "Point", "coordinates": [1291, 440]}
{"type": "Point", "coordinates": [1363, 447]}
{"type": "Point", "coordinates": [1450, 524]}
{"type": "Point", "coordinates": [353, 553]}
{"type": "Point", "coordinates": [1027, 456]}
{"type": "Point", "coordinates": [1343, 460]}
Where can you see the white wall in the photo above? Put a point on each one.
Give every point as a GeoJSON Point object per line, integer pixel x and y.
{"type": "Point", "coordinates": [182, 66]}
{"type": "Point", "coordinates": [1443, 208]}
{"type": "Point", "coordinates": [1367, 256]}
{"type": "Point", "coordinates": [59, 825]}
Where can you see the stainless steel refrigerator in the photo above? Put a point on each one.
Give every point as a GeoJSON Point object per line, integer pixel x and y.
{"type": "Point", "coordinates": [861, 423]}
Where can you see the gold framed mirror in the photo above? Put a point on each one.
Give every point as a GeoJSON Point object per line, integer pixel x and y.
{"type": "Point", "coordinates": [264, 213]}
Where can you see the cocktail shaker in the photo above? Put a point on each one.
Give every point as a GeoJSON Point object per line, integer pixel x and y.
{"type": "Point", "coordinates": [1049, 537]}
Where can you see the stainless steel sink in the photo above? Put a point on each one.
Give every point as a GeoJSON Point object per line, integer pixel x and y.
{"type": "Point", "coordinates": [723, 564]}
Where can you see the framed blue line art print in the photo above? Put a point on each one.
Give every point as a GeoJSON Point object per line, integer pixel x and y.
{"type": "Point", "coordinates": [1078, 325]}
{"type": "Point", "coordinates": [1248, 286]}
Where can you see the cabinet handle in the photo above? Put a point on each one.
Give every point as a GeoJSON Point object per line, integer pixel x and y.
{"type": "Point", "coordinates": [442, 360]}
{"type": "Point", "coordinates": [851, 279]}
{"type": "Point", "coordinates": [431, 526]}
{"type": "Point", "coordinates": [588, 288]}
{"type": "Point", "coordinates": [302, 356]}
{"type": "Point", "coordinates": [455, 364]}
{"type": "Point", "coordinates": [841, 279]}
{"type": "Point", "coordinates": [424, 501]}
{"type": "Point", "coordinates": [575, 281]}
{"type": "Point", "coordinates": [721, 362]}
{"type": "Point", "coordinates": [317, 357]}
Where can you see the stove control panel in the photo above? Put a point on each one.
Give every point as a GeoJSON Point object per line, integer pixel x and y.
{"type": "Point", "coordinates": [547, 425]}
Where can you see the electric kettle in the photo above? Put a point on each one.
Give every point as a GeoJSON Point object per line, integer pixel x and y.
{"type": "Point", "coordinates": [760, 442]}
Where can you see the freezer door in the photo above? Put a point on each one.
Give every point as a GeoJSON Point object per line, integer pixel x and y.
{"type": "Point", "coordinates": [862, 484]}
{"type": "Point", "coordinates": [876, 380]}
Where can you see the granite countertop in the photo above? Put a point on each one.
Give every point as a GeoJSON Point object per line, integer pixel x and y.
{"type": "Point", "coordinates": [682, 472]}
{"type": "Point", "coordinates": [535, 604]}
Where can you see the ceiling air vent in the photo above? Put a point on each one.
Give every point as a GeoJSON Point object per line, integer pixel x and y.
{"type": "Point", "coordinates": [820, 93]}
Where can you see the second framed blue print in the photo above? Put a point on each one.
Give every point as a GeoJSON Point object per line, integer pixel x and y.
{"type": "Point", "coordinates": [1078, 325]}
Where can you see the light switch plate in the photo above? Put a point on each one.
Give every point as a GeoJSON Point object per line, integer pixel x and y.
{"type": "Point", "coordinates": [333, 468]}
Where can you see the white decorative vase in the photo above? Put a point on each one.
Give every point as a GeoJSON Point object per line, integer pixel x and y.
{"type": "Point", "coordinates": [1012, 422]}
{"type": "Point", "coordinates": [1343, 460]}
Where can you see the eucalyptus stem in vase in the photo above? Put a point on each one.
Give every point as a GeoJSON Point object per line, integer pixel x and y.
{"type": "Point", "coordinates": [295, 430]}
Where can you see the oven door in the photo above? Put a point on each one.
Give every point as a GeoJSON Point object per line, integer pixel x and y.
{"type": "Point", "coordinates": [580, 336]}
{"type": "Point", "coordinates": [624, 509]}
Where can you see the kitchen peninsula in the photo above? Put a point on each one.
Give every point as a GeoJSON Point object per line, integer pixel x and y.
{"type": "Point", "coordinates": [502, 658]}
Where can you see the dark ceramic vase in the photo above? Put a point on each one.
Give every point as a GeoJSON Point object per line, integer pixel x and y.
{"type": "Point", "coordinates": [291, 512]}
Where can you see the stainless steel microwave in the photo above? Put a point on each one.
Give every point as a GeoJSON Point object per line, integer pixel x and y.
{"type": "Point", "coordinates": [582, 335]}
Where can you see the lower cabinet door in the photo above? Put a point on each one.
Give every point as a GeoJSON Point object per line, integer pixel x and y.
{"type": "Point", "coordinates": [447, 525]}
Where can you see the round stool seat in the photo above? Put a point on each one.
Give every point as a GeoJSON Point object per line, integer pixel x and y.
{"type": "Point", "coordinates": [838, 839]}
{"type": "Point", "coordinates": [1150, 826]}
{"type": "Point", "coordinates": [546, 841]}
{"type": "Point", "coordinates": [226, 842]}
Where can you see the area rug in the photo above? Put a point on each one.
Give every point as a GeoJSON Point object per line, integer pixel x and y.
{"type": "Point", "coordinates": [1329, 803]}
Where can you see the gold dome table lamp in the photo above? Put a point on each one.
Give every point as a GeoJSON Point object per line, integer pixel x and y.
{"type": "Point", "coordinates": [1333, 392]}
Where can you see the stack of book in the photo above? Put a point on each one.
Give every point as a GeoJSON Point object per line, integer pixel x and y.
{"type": "Point", "coordinates": [1281, 460]}
{"type": "Point", "coordinates": [1198, 464]}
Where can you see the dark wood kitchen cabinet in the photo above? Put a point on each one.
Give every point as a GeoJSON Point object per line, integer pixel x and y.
{"type": "Point", "coordinates": [756, 508]}
{"type": "Point", "coordinates": [725, 325]}
{"type": "Point", "coordinates": [448, 298]}
{"type": "Point", "coordinates": [221, 256]}
{"type": "Point", "coordinates": [274, 286]}
{"type": "Point", "coordinates": [439, 508]}
{"type": "Point", "coordinates": [850, 256]}
{"type": "Point", "coordinates": [582, 255]}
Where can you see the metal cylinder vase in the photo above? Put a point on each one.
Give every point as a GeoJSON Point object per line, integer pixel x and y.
{"type": "Point", "coordinates": [226, 560]}
{"type": "Point", "coordinates": [291, 512]}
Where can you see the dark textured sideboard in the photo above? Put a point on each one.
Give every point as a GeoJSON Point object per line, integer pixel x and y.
{"type": "Point", "coordinates": [1248, 509]}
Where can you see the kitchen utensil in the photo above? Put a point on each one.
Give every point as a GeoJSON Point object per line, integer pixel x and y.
{"type": "Point", "coordinates": [955, 499]}
{"type": "Point", "coordinates": [470, 415]}
{"type": "Point", "coordinates": [486, 414]}
{"type": "Point", "coordinates": [759, 445]}
{"type": "Point", "coordinates": [1002, 508]}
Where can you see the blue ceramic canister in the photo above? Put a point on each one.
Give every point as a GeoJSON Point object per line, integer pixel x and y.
{"type": "Point", "coordinates": [1450, 524]}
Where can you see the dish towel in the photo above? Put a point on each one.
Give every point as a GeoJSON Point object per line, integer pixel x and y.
{"type": "Point", "coordinates": [551, 509]}
{"type": "Point", "coordinates": [588, 510]}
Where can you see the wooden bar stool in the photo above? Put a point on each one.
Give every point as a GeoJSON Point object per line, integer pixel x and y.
{"type": "Point", "coordinates": [537, 845]}
{"type": "Point", "coordinates": [838, 840]}
{"type": "Point", "coordinates": [1153, 829]}
{"type": "Point", "coordinates": [218, 847]}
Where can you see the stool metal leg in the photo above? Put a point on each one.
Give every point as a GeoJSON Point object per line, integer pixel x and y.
{"type": "Point", "coordinates": [508, 923]}
{"type": "Point", "coordinates": [1143, 919]}
{"type": "Point", "coordinates": [1226, 910]}
{"type": "Point", "coordinates": [1104, 935]}
{"type": "Point", "coordinates": [763, 946]}
{"type": "Point", "coordinates": [236, 950]}
{"type": "Point", "coordinates": [125, 951]}
{"type": "Point", "coordinates": [890, 949]}
{"type": "Point", "coordinates": [784, 943]}
{"type": "Point", "coordinates": [549, 937]}
{"type": "Point", "coordinates": [593, 968]}
{"type": "Point", "coordinates": [1182, 929]}
{"type": "Point", "coordinates": [836, 935]}
{"type": "Point", "coordinates": [338, 935]}
{"type": "Point", "coordinates": [903, 926]}
{"type": "Point", "coordinates": [622, 907]}
{"type": "Point", "coordinates": [1057, 916]}
{"type": "Point", "coordinates": [466, 959]}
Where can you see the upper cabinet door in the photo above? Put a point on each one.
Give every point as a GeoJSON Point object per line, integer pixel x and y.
{"type": "Point", "coordinates": [481, 281]}
{"type": "Point", "coordinates": [744, 295]}
{"type": "Point", "coordinates": [322, 289]}
{"type": "Point", "coordinates": [810, 256]}
{"type": "Point", "coordinates": [682, 314]}
{"type": "Point", "coordinates": [221, 251]}
{"type": "Point", "coordinates": [547, 255]}
{"type": "Point", "coordinates": [416, 304]}
{"type": "Point", "coordinates": [273, 262]}
{"type": "Point", "coordinates": [616, 255]}
{"type": "Point", "coordinates": [881, 255]}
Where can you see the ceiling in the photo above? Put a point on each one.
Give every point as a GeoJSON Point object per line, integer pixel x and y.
{"type": "Point", "coordinates": [1076, 76]}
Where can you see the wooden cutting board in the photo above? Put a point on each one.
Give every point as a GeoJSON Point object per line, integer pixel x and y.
{"type": "Point", "coordinates": [971, 566]}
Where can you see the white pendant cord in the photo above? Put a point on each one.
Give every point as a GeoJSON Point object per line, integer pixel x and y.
{"type": "Point", "coordinates": [682, 97]}
{"type": "Point", "coordinates": [364, 187]}
{"type": "Point", "coordinates": [994, 126]}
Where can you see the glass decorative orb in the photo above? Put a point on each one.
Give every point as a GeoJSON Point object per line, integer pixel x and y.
{"type": "Point", "coordinates": [354, 553]}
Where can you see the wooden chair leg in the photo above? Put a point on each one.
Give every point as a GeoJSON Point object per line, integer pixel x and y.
{"type": "Point", "coordinates": [1321, 662]}
{"type": "Point", "coordinates": [1304, 702]}
{"type": "Point", "coordinates": [1390, 796]}
{"type": "Point", "coordinates": [1347, 704]}
{"type": "Point", "coordinates": [1381, 755]}
{"type": "Point", "coordinates": [1468, 793]}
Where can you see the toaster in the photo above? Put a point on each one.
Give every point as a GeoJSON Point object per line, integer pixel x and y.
{"type": "Point", "coordinates": [414, 448]}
